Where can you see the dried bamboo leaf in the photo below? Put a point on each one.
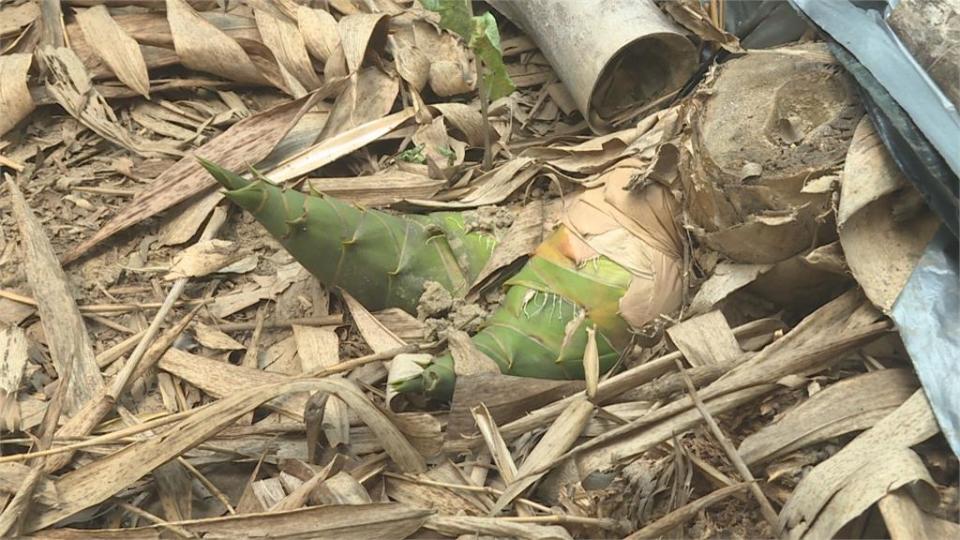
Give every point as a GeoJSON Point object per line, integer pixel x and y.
{"type": "Point", "coordinates": [175, 490]}
{"type": "Point", "coordinates": [318, 348]}
{"type": "Point", "coordinates": [595, 154]}
{"type": "Point", "coordinates": [385, 521]}
{"type": "Point", "coordinates": [333, 148]}
{"type": "Point", "coordinates": [906, 521]}
{"type": "Point", "coordinates": [287, 45]}
{"type": "Point", "coordinates": [423, 430]}
{"type": "Point", "coordinates": [664, 525]}
{"type": "Point", "coordinates": [726, 278]}
{"type": "Point", "coordinates": [425, 495]}
{"type": "Point", "coordinates": [852, 404]}
{"type": "Point", "coordinates": [457, 526]}
{"type": "Point", "coordinates": [881, 247]}
{"type": "Point", "coordinates": [319, 31]}
{"type": "Point", "coordinates": [101, 479]}
{"type": "Point", "coordinates": [360, 32]}
{"type": "Point", "coordinates": [244, 144]}
{"type": "Point", "coordinates": [529, 228]}
{"type": "Point", "coordinates": [692, 16]}
{"type": "Point", "coordinates": [841, 325]}
{"type": "Point", "coordinates": [436, 146]}
{"type": "Point", "coordinates": [448, 472]}
{"type": "Point", "coordinates": [188, 218]}
{"type": "Point", "coordinates": [116, 48]}
{"type": "Point", "coordinates": [492, 187]}
{"type": "Point", "coordinates": [608, 455]}
{"type": "Point", "coordinates": [382, 189]}
{"type": "Point", "coordinates": [706, 339]}
{"type": "Point", "coordinates": [343, 489]}
{"type": "Point", "coordinates": [204, 258]}
{"type": "Point", "coordinates": [856, 463]}
{"type": "Point", "coordinates": [346, 7]}
{"type": "Point", "coordinates": [895, 469]}
{"type": "Point", "coordinates": [557, 440]}
{"type": "Point", "coordinates": [12, 475]}
{"type": "Point", "coordinates": [19, 505]}
{"type": "Point", "coordinates": [15, 100]}
{"type": "Point", "coordinates": [508, 398]}
{"type": "Point", "coordinates": [63, 326]}
{"type": "Point", "coordinates": [369, 96]}
{"type": "Point", "coordinates": [468, 359]}
{"type": "Point", "coordinates": [629, 410]}
{"type": "Point", "coordinates": [465, 118]}
{"type": "Point", "coordinates": [70, 86]}
{"type": "Point", "coordinates": [212, 338]}
{"type": "Point", "coordinates": [204, 47]}
{"type": "Point", "coordinates": [591, 364]}
{"type": "Point", "coordinates": [156, 119]}
{"type": "Point", "coordinates": [495, 443]}
{"type": "Point", "coordinates": [16, 17]}
{"type": "Point", "coordinates": [219, 380]}
{"type": "Point", "coordinates": [336, 66]}
{"type": "Point", "coordinates": [377, 336]}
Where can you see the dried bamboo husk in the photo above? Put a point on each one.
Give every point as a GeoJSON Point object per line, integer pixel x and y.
{"type": "Point", "coordinates": [765, 133]}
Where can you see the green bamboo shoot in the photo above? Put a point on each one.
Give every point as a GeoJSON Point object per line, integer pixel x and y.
{"type": "Point", "coordinates": [382, 259]}
{"type": "Point", "coordinates": [579, 278]}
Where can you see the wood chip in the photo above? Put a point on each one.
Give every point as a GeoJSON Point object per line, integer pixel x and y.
{"type": "Point", "coordinates": [13, 358]}
{"type": "Point", "coordinates": [204, 258]}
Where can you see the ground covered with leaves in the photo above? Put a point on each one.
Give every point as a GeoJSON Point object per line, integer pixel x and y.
{"type": "Point", "coordinates": [168, 369]}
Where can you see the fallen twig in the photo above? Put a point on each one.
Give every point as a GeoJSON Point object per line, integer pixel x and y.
{"type": "Point", "coordinates": [765, 507]}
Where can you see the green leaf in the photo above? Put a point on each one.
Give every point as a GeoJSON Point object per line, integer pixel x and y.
{"type": "Point", "coordinates": [485, 42]}
{"type": "Point", "coordinates": [448, 153]}
{"type": "Point", "coordinates": [455, 15]}
{"type": "Point", "coordinates": [487, 26]}
{"type": "Point", "coordinates": [483, 36]}
{"type": "Point", "coordinates": [413, 155]}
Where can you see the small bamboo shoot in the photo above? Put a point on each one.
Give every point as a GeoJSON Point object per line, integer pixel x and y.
{"type": "Point", "coordinates": [540, 329]}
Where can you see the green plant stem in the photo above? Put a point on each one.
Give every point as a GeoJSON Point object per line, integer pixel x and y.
{"type": "Point", "coordinates": [484, 112]}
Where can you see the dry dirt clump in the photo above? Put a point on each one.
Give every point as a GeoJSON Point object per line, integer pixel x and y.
{"type": "Point", "coordinates": [493, 219]}
{"type": "Point", "coordinates": [440, 311]}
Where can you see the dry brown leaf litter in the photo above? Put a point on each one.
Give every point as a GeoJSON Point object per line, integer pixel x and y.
{"type": "Point", "coordinates": [214, 425]}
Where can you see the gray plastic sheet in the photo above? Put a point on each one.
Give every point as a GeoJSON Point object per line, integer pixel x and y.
{"type": "Point", "coordinates": [928, 316]}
